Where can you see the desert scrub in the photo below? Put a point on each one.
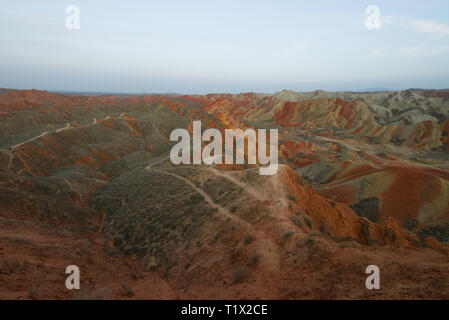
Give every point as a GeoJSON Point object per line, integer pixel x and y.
{"type": "Point", "coordinates": [308, 221]}
{"type": "Point", "coordinates": [236, 253]}
{"type": "Point", "coordinates": [324, 228]}
{"type": "Point", "coordinates": [196, 198]}
{"type": "Point", "coordinates": [287, 234]}
{"type": "Point", "coordinates": [136, 275]}
{"type": "Point", "coordinates": [310, 239]}
{"type": "Point", "coordinates": [32, 293]}
{"type": "Point", "coordinates": [248, 239]}
{"type": "Point", "coordinates": [217, 236]}
{"type": "Point", "coordinates": [297, 221]}
{"type": "Point", "coordinates": [127, 291]}
{"type": "Point", "coordinates": [22, 241]}
{"type": "Point", "coordinates": [11, 265]}
{"type": "Point", "coordinates": [253, 259]}
{"type": "Point", "coordinates": [239, 275]}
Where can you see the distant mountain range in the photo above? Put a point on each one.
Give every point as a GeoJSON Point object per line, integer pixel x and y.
{"type": "Point", "coordinates": [376, 89]}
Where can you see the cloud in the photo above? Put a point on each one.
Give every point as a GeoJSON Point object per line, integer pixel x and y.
{"type": "Point", "coordinates": [432, 27]}
{"type": "Point", "coordinates": [386, 19]}
{"type": "Point", "coordinates": [292, 51]}
{"type": "Point", "coordinates": [378, 53]}
{"type": "Point", "coordinates": [425, 51]}
{"type": "Point", "coordinates": [28, 30]}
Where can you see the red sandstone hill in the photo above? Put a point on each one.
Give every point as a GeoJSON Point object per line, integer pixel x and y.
{"type": "Point", "coordinates": [86, 180]}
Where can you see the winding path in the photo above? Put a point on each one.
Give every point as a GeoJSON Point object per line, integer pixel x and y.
{"type": "Point", "coordinates": [267, 248]}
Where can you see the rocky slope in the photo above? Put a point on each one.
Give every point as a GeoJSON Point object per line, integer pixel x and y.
{"type": "Point", "coordinates": [87, 180]}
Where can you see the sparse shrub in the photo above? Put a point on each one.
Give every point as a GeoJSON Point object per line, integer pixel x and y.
{"type": "Point", "coordinates": [217, 236]}
{"type": "Point", "coordinates": [117, 242]}
{"type": "Point", "coordinates": [127, 290]}
{"type": "Point", "coordinates": [236, 253]}
{"type": "Point", "coordinates": [11, 265]}
{"type": "Point", "coordinates": [136, 275]}
{"type": "Point", "coordinates": [32, 293]}
{"type": "Point", "coordinates": [297, 221]}
{"type": "Point", "coordinates": [348, 243]}
{"type": "Point", "coordinates": [81, 295]}
{"type": "Point", "coordinates": [101, 293]}
{"type": "Point", "coordinates": [324, 228]}
{"type": "Point", "coordinates": [287, 234]}
{"type": "Point", "coordinates": [438, 283]}
{"type": "Point", "coordinates": [196, 198]}
{"type": "Point", "coordinates": [411, 224]}
{"type": "Point", "coordinates": [248, 239]}
{"type": "Point", "coordinates": [253, 259]}
{"type": "Point", "coordinates": [112, 252]}
{"type": "Point", "coordinates": [22, 241]}
{"type": "Point", "coordinates": [310, 239]}
{"type": "Point", "coordinates": [308, 221]}
{"type": "Point", "coordinates": [239, 275]}
{"type": "Point", "coordinates": [291, 197]}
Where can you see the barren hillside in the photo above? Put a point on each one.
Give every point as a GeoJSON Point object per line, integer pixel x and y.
{"type": "Point", "coordinates": [87, 180]}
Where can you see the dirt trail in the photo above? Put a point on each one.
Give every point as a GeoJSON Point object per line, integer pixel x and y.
{"type": "Point", "coordinates": [101, 224]}
{"type": "Point", "coordinates": [71, 187]}
{"type": "Point", "coordinates": [208, 199]}
{"type": "Point", "coordinates": [32, 139]}
{"type": "Point", "coordinates": [41, 135]}
{"type": "Point", "coordinates": [344, 143]}
{"type": "Point", "coordinates": [267, 248]}
{"type": "Point", "coordinates": [156, 162]}
{"type": "Point", "coordinates": [244, 186]}
{"type": "Point", "coordinates": [11, 158]}
{"type": "Point", "coordinates": [157, 131]}
{"type": "Point", "coordinates": [67, 127]}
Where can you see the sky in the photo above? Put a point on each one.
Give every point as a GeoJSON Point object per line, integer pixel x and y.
{"type": "Point", "coordinates": [198, 47]}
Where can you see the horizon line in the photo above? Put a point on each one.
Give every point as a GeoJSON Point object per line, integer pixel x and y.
{"type": "Point", "coordinates": [82, 92]}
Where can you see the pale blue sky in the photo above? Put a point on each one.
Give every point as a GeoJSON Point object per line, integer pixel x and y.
{"type": "Point", "coordinates": [193, 46]}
